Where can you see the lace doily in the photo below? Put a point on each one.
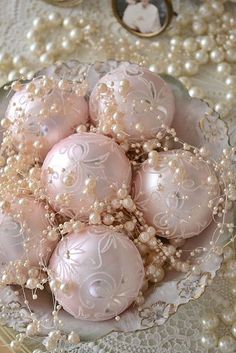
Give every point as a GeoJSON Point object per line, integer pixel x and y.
{"type": "Point", "coordinates": [181, 333]}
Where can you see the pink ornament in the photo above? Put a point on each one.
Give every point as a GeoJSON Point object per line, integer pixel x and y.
{"type": "Point", "coordinates": [174, 197]}
{"type": "Point", "coordinates": [47, 118]}
{"type": "Point", "coordinates": [22, 239]}
{"type": "Point", "coordinates": [135, 105]}
{"type": "Point", "coordinates": [82, 169]}
{"type": "Point", "coordinates": [96, 273]}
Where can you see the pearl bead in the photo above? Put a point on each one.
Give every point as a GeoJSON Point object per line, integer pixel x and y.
{"type": "Point", "coordinates": [70, 22]}
{"type": "Point", "coordinates": [13, 75]}
{"type": "Point", "coordinates": [191, 67]}
{"type": "Point", "coordinates": [210, 321]}
{"type": "Point", "coordinates": [190, 44]}
{"type": "Point", "coordinates": [207, 43]}
{"type": "Point", "coordinates": [223, 109]}
{"type": "Point", "coordinates": [205, 11]}
{"type": "Point", "coordinates": [230, 96]}
{"type": "Point", "coordinates": [230, 81]}
{"type": "Point", "coordinates": [73, 338]}
{"type": "Point", "coordinates": [201, 56]}
{"type": "Point", "coordinates": [196, 92]}
{"type": "Point", "coordinates": [209, 340]}
{"type": "Point", "coordinates": [51, 48]}
{"type": "Point", "coordinates": [36, 48]}
{"type": "Point", "coordinates": [46, 59]}
{"type": "Point", "coordinates": [39, 23]}
{"type": "Point", "coordinates": [227, 344]}
{"type": "Point", "coordinates": [224, 69]}
{"type": "Point", "coordinates": [32, 34]}
{"type": "Point", "coordinates": [217, 55]}
{"type": "Point", "coordinates": [19, 61]}
{"type": "Point", "coordinates": [217, 7]}
{"type": "Point", "coordinates": [67, 45]}
{"type": "Point", "coordinates": [199, 26]}
{"type": "Point", "coordinates": [75, 35]}
{"type": "Point", "coordinates": [54, 19]}
{"type": "Point", "coordinates": [233, 329]}
{"type": "Point", "coordinates": [228, 316]}
{"type": "Point", "coordinates": [173, 69]}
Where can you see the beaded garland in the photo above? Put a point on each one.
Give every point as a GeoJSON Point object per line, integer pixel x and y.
{"type": "Point", "coordinates": [121, 213]}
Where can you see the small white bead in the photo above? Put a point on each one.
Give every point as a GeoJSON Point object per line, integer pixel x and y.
{"type": "Point", "coordinates": [36, 48]}
{"type": "Point", "coordinates": [210, 321]}
{"type": "Point", "coordinates": [196, 92]}
{"type": "Point", "coordinates": [209, 340]}
{"type": "Point", "coordinates": [75, 35]}
{"type": "Point", "coordinates": [19, 61]}
{"type": "Point", "coordinates": [224, 69]}
{"type": "Point", "coordinates": [227, 344]}
{"type": "Point", "coordinates": [70, 22]}
{"type": "Point", "coordinates": [39, 23]}
{"type": "Point", "coordinates": [217, 55]}
{"type": "Point", "coordinates": [67, 46]}
{"type": "Point", "coordinates": [202, 56]}
{"type": "Point", "coordinates": [190, 44]}
{"type": "Point", "coordinates": [54, 19]}
{"type": "Point", "coordinates": [46, 58]}
{"type": "Point", "coordinates": [13, 75]}
{"type": "Point", "coordinates": [174, 69]}
{"type": "Point", "coordinates": [191, 67]}
{"type": "Point", "coordinates": [207, 43]}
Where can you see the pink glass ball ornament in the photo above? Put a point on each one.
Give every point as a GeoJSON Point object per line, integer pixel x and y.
{"type": "Point", "coordinates": [96, 273]}
{"type": "Point", "coordinates": [47, 117]}
{"type": "Point", "coordinates": [82, 169]}
{"type": "Point", "coordinates": [175, 195]}
{"type": "Point", "coordinates": [22, 239]}
{"type": "Point", "coordinates": [131, 102]}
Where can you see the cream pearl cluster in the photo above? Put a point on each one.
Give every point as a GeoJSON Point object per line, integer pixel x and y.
{"type": "Point", "coordinates": [227, 316]}
{"type": "Point", "coordinates": [72, 32]}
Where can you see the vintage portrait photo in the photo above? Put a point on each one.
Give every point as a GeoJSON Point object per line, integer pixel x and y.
{"type": "Point", "coordinates": [145, 18]}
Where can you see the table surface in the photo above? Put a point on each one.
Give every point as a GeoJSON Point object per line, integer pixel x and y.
{"type": "Point", "coordinates": [182, 332]}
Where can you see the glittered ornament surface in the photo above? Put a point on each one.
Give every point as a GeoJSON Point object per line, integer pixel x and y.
{"type": "Point", "coordinates": [131, 102]}
{"type": "Point", "coordinates": [42, 119]}
{"type": "Point", "coordinates": [100, 272]}
{"type": "Point", "coordinates": [82, 169]}
{"type": "Point", "coordinates": [175, 196]}
{"type": "Point", "coordinates": [22, 241]}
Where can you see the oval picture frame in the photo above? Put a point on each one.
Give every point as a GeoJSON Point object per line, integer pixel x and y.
{"type": "Point", "coordinates": [120, 7]}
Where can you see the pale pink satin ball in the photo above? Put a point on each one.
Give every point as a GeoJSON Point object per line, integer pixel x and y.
{"type": "Point", "coordinates": [138, 100]}
{"type": "Point", "coordinates": [174, 196]}
{"type": "Point", "coordinates": [22, 239]}
{"type": "Point", "coordinates": [82, 169]}
{"type": "Point", "coordinates": [99, 273]}
{"type": "Point", "coordinates": [47, 119]}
